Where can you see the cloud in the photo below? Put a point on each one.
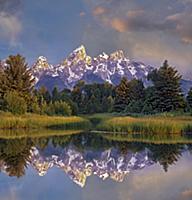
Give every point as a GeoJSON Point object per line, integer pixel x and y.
{"type": "Point", "coordinates": [10, 23]}
{"type": "Point", "coordinates": [82, 14]}
{"type": "Point", "coordinates": [119, 25]}
{"type": "Point", "coordinates": [150, 31]}
{"type": "Point", "coordinates": [10, 27]}
{"type": "Point", "coordinates": [123, 18]}
{"type": "Point", "coordinates": [135, 13]}
{"type": "Point", "coordinates": [183, 26]}
{"type": "Point", "coordinates": [187, 193]}
{"type": "Point", "coordinates": [99, 10]}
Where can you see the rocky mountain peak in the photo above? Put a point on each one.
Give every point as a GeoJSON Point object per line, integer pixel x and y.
{"type": "Point", "coordinates": [79, 55]}
{"type": "Point", "coordinates": [80, 66]}
{"type": "Point", "coordinates": [117, 55]}
{"type": "Point", "coordinates": [41, 63]}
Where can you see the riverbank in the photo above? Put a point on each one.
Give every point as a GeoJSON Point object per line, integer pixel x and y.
{"type": "Point", "coordinates": [147, 124]}
{"type": "Point", "coordinates": [154, 124]}
{"type": "Point", "coordinates": [31, 121]}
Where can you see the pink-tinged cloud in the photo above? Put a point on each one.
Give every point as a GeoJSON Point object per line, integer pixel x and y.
{"type": "Point", "coordinates": [119, 25]}
{"type": "Point", "coordinates": [135, 13]}
{"type": "Point", "coordinates": [187, 194]}
{"type": "Point", "coordinates": [183, 26]}
{"type": "Point", "coordinates": [99, 10]}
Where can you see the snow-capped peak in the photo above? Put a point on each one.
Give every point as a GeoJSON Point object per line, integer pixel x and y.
{"type": "Point", "coordinates": [117, 55]}
{"type": "Point", "coordinates": [80, 66]}
{"type": "Point", "coordinates": [42, 62]}
{"type": "Point", "coordinates": [80, 49]}
{"type": "Point", "coordinates": [104, 55]}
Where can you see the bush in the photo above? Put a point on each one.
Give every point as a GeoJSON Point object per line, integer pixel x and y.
{"type": "Point", "coordinates": [15, 103]}
{"type": "Point", "coordinates": [62, 108]}
{"type": "Point", "coordinates": [59, 108]}
{"type": "Point", "coordinates": [35, 108]}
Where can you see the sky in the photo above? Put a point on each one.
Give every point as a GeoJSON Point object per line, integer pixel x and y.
{"type": "Point", "coordinates": [147, 30]}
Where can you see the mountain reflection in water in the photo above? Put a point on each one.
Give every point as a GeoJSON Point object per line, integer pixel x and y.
{"type": "Point", "coordinates": [83, 155]}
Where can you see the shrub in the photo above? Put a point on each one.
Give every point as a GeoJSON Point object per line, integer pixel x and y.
{"type": "Point", "coordinates": [59, 108]}
{"type": "Point", "coordinates": [15, 103]}
{"type": "Point", "coordinates": [62, 108]}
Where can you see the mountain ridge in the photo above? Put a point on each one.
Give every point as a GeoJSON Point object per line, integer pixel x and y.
{"type": "Point", "coordinates": [80, 66]}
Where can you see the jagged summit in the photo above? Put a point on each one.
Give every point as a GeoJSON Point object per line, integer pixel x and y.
{"type": "Point", "coordinates": [117, 55]}
{"type": "Point", "coordinates": [80, 49]}
{"type": "Point", "coordinates": [80, 66]}
{"type": "Point", "coordinates": [42, 62]}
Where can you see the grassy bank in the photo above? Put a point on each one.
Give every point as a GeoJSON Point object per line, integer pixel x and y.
{"type": "Point", "coordinates": [148, 125]}
{"type": "Point", "coordinates": [147, 138]}
{"type": "Point", "coordinates": [33, 133]}
{"type": "Point", "coordinates": [29, 121]}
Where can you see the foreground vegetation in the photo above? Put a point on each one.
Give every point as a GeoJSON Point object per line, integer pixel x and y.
{"type": "Point", "coordinates": [31, 121]}
{"type": "Point", "coordinates": [54, 110]}
{"type": "Point", "coordinates": [18, 94]}
{"type": "Point", "coordinates": [148, 125]}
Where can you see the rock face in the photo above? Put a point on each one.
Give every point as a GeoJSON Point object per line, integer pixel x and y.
{"type": "Point", "coordinates": [78, 166]}
{"type": "Point", "coordinates": [79, 66]}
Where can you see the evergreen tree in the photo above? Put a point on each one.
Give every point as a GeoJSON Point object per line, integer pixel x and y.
{"type": "Point", "coordinates": [166, 81]}
{"type": "Point", "coordinates": [16, 76]}
{"type": "Point", "coordinates": [189, 99]}
{"type": "Point", "coordinates": [149, 104]}
{"type": "Point", "coordinates": [121, 95]}
{"type": "Point", "coordinates": [55, 94]}
{"type": "Point", "coordinates": [126, 92]}
{"type": "Point", "coordinates": [43, 94]}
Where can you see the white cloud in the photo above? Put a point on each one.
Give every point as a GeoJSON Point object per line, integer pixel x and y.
{"type": "Point", "coordinates": [10, 28]}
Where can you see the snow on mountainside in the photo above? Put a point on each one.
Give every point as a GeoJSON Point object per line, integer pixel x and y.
{"type": "Point", "coordinates": [79, 66]}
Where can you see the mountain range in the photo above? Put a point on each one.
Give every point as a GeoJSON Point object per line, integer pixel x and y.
{"type": "Point", "coordinates": [80, 66]}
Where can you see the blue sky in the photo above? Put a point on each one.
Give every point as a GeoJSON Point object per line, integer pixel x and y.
{"type": "Point", "coordinates": [147, 30]}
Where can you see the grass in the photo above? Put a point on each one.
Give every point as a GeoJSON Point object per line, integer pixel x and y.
{"type": "Point", "coordinates": [148, 124]}
{"type": "Point", "coordinates": [21, 133]}
{"type": "Point", "coordinates": [98, 118]}
{"type": "Point", "coordinates": [154, 124]}
{"type": "Point", "coordinates": [31, 121]}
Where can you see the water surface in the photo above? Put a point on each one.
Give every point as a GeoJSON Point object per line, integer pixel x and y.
{"type": "Point", "coordinates": [89, 166]}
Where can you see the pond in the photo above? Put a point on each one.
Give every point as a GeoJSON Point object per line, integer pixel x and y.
{"type": "Point", "coordinates": [90, 166]}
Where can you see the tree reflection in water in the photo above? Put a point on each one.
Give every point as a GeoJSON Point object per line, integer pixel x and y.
{"type": "Point", "coordinates": [16, 154]}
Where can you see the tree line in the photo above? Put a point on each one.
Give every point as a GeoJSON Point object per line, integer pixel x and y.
{"type": "Point", "coordinates": [18, 95]}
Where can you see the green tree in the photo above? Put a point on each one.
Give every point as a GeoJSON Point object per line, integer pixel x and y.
{"type": "Point", "coordinates": [107, 104]}
{"type": "Point", "coordinates": [121, 95]}
{"type": "Point", "coordinates": [15, 103]}
{"type": "Point", "coordinates": [189, 99]}
{"type": "Point", "coordinates": [127, 92]}
{"type": "Point", "coordinates": [135, 106]}
{"type": "Point", "coordinates": [16, 76]}
{"type": "Point", "coordinates": [166, 81]}
{"type": "Point", "coordinates": [55, 94]}
{"type": "Point", "coordinates": [62, 108]}
{"type": "Point", "coordinates": [149, 104]}
{"type": "Point", "coordinates": [35, 107]}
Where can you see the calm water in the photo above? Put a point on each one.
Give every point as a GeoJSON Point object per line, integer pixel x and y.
{"type": "Point", "coordinates": [91, 167]}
